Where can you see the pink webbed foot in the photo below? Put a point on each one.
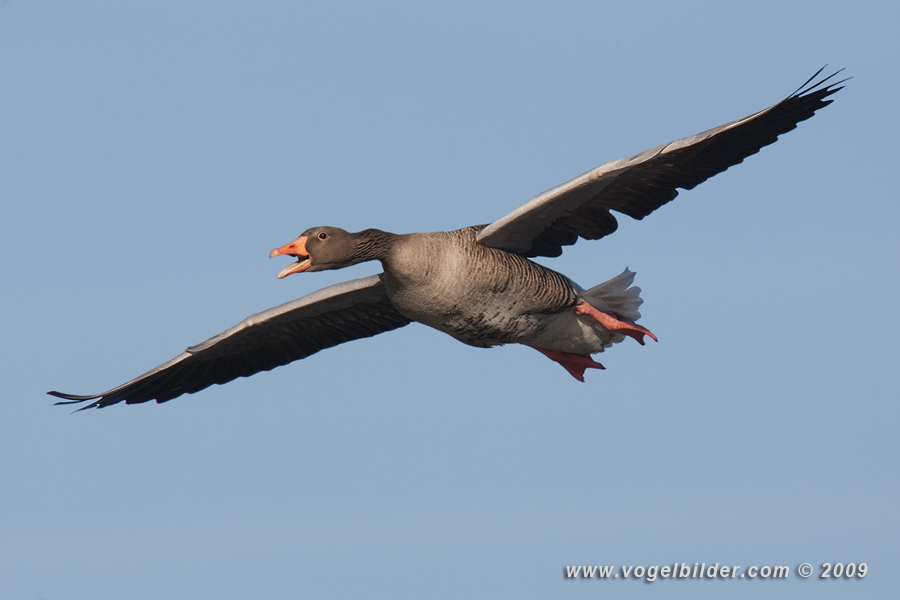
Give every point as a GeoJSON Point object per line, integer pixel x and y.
{"type": "Point", "coordinates": [574, 363]}
{"type": "Point", "coordinates": [628, 328]}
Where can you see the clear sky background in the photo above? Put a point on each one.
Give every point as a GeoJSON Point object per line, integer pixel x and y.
{"type": "Point", "coordinates": [154, 152]}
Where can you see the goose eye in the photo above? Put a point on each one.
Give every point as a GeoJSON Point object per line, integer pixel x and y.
{"type": "Point", "coordinates": [322, 235]}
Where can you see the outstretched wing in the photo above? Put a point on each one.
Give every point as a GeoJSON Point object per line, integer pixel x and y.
{"type": "Point", "coordinates": [639, 185]}
{"type": "Point", "coordinates": [339, 313]}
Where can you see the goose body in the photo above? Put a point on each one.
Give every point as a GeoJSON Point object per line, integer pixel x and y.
{"type": "Point", "coordinates": [506, 299]}
{"type": "Point", "coordinates": [477, 284]}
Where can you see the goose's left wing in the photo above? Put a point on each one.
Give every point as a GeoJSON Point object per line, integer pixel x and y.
{"type": "Point", "coordinates": [639, 185]}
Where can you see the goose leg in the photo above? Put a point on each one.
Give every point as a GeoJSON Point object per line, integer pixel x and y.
{"type": "Point", "coordinates": [574, 363]}
{"type": "Point", "coordinates": [628, 328]}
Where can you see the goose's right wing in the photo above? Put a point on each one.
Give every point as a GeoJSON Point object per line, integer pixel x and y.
{"type": "Point", "coordinates": [339, 313]}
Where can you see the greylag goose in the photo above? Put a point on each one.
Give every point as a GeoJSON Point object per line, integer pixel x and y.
{"type": "Point", "coordinates": [477, 284]}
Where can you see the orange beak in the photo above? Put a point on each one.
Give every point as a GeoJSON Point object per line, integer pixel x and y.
{"type": "Point", "coordinates": [296, 248]}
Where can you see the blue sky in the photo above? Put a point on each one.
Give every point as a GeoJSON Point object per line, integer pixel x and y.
{"type": "Point", "coordinates": [154, 152]}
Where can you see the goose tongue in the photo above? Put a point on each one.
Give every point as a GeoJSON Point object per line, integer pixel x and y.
{"type": "Point", "coordinates": [296, 248]}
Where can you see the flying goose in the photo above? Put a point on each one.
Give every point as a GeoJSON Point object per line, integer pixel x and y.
{"type": "Point", "coordinates": [477, 284]}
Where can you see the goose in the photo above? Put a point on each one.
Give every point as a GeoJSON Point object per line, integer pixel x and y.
{"type": "Point", "coordinates": [477, 284]}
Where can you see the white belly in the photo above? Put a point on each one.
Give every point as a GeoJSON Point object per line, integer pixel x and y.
{"type": "Point", "coordinates": [570, 332]}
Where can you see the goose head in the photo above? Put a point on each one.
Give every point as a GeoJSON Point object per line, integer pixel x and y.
{"type": "Point", "coordinates": [322, 248]}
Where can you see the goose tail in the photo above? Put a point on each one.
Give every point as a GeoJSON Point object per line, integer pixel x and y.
{"type": "Point", "coordinates": [617, 296]}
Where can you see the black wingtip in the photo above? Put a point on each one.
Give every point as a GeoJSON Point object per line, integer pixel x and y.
{"type": "Point", "coordinates": [73, 399]}
{"type": "Point", "coordinates": [809, 87]}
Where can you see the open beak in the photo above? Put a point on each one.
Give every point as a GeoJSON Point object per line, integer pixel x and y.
{"type": "Point", "coordinates": [296, 248]}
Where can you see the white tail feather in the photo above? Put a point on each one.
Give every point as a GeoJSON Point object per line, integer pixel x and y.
{"type": "Point", "coordinates": [616, 296]}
